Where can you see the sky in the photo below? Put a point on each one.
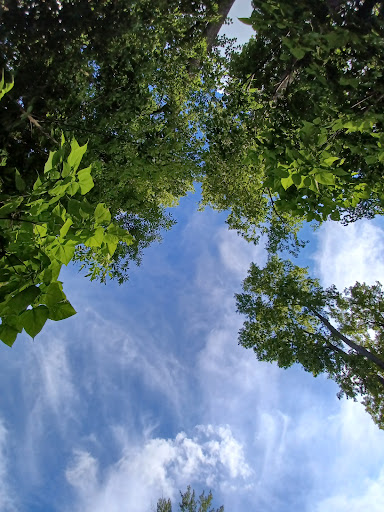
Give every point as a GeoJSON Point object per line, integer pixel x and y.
{"type": "Point", "coordinates": [146, 391]}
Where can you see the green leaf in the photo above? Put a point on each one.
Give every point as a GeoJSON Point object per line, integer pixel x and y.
{"type": "Point", "coordinates": [307, 181]}
{"type": "Point", "coordinates": [64, 230]}
{"type": "Point", "coordinates": [76, 154]}
{"type": "Point", "coordinates": [325, 178]}
{"type": "Point", "coordinates": [111, 241]}
{"type": "Point", "coordinates": [54, 158]}
{"type": "Point", "coordinates": [298, 52]}
{"type": "Point", "coordinates": [20, 183]}
{"type": "Point", "coordinates": [40, 230]}
{"type": "Point", "coordinates": [287, 182]}
{"type": "Point", "coordinates": [64, 252]}
{"type": "Point", "coordinates": [73, 188]}
{"type": "Point", "coordinates": [121, 233]}
{"type": "Point", "coordinates": [340, 172]}
{"type": "Point", "coordinates": [33, 320]}
{"type": "Point", "coordinates": [8, 334]}
{"type": "Point", "coordinates": [85, 180]}
{"type": "Point", "coordinates": [66, 170]}
{"type": "Point", "coordinates": [53, 295]}
{"type": "Point", "coordinates": [102, 214]}
{"type": "Point", "coordinates": [48, 163]}
{"type": "Point", "coordinates": [330, 160]}
{"type": "Point", "coordinates": [96, 239]}
{"type": "Point", "coordinates": [246, 21]}
{"type": "Point", "coordinates": [23, 299]}
{"type": "Point", "coordinates": [54, 269]}
{"type": "Point", "coordinates": [10, 206]}
{"type": "Point", "coordinates": [5, 87]}
{"type": "Point", "coordinates": [335, 215]}
{"type": "Point", "coordinates": [296, 178]}
{"type": "Point", "coordinates": [37, 184]}
{"type": "Point", "coordinates": [61, 311]}
{"type": "Point", "coordinates": [60, 189]}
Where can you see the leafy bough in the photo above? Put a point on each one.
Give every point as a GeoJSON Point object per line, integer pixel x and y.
{"type": "Point", "coordinates": [39, 232]}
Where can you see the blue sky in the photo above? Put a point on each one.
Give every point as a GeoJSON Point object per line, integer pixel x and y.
{"type": "Point", "coordinates": [145, 390]}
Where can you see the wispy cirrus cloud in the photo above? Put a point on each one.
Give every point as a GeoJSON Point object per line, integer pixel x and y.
{"type": "Point", "coordinates": [8, 500]}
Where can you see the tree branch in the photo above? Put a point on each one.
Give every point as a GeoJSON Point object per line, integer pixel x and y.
{"type": "Point", "coordinates": [212, 29]}
{"type": "Point", "coordinates": [358, 348]}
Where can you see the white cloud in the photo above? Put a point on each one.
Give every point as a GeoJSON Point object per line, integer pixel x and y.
{"type": "Point", "coordinates": [160, 467]}
{"type": "Point", "coordinates": [353, 478]}
{"type": "Point", "coordinates": [282, 416]}
{"type": "Point", "coordinates": [372, 498]}
{"type": "Point", "coordinates": [240, 9]}
{"type": "Point", "coordinates": [7, 496]}
{"type": "Point", "coordinates": [82, 472]}
{"type": "Point", "coordinates": [236, 254]}
{"type": "Point", "coordinates": [350, 253]}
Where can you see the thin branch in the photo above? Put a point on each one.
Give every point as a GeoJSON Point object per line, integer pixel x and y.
{"type": "Point", "coordinates": [273, 206]}
{"type": "Point", "coordinates": [33, 121]}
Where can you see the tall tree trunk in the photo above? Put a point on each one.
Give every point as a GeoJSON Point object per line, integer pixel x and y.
{"type": "Point", "coordinates": [359, 349]}
{"type": "Point", "coordinates": [211, 31]}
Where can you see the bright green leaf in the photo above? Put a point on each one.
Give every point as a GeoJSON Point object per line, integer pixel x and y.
{"type": "Point", "coordinates": [330, 160]}
{"type": "Point", "coordinates": [325, 178]}
{"type": "Point", "coordinates": [85, 180]}
{"type": "Point", "coordinates": [76, 154]}
{"type": "Point", "coordinates": [64, 252]}
{"type": "Point", "coordinates": [96, 239]}
{"type": "Point", "coordinates": [102, 214]}
{"type": "Point", "coordinates": [64, 230]}
{"type": "Point", "coordinates": [287, 182]}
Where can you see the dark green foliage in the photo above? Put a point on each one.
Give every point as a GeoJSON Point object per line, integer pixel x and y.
{"type": "Point", "coordinates": [298, 133]}
{"type": "Point", "coordinates": [189, 503]}
{"type": "Point", "coordinates": [120, 76]}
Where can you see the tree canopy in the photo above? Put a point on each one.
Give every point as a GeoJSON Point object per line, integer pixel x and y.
{"type": "Point", "coordinates": [287, 130]}
{"type": "Point", "coordinates": [40, 228]}
{"type": "Point", "coordinates": [84, 67]}
{"type": "Point", "coordinates": [298, 130]}
{"type": "Point", "coordinates": [189, 503]}
{"type": "Point", "coordinates": [292, 319]}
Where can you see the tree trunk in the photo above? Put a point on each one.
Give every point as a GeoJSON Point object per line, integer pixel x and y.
{"type": "Point", "coordinates": [359, 349]}
{"type": "Point", "coordinates": [211, 31]}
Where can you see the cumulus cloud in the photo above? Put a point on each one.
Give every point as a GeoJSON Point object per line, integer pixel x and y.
{"type": "Point", "coordinates": [160, 467]}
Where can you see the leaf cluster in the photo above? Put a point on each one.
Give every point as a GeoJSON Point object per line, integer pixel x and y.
{"type": "Point", "coordinates": [299, 126]}
{"type": "Point", "coordinates": [40, 229]}
{"type": "Point", "coordinates": [292, 319]}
